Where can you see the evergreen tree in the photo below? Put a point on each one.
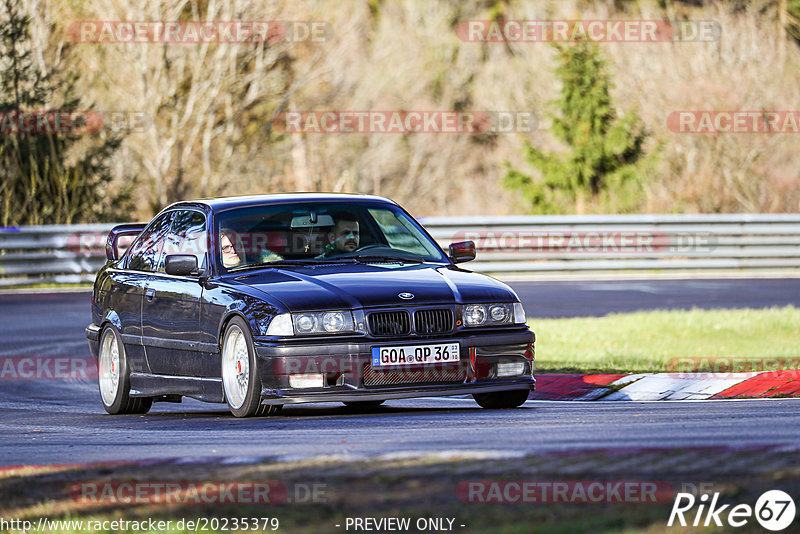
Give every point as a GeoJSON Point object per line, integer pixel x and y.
{"type": "Point", "coordinates": [603, 148]}
{"type": "Point", "coordinates": [47, 178]}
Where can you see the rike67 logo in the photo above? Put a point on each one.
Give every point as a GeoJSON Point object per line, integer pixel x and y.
{"type": "Point", "coordinates": [774, 510]}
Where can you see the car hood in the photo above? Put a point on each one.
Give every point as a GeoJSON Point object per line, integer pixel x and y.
{"type": "Point", "coordinates": [355, 286]}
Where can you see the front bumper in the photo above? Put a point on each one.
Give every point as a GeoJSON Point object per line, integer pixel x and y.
{"type": "Point", "coordinates": [348, 376]}
{"type": "Point", "coordinates": [304, 396]}
{"type": "Point", "coordinates": [93, 337]}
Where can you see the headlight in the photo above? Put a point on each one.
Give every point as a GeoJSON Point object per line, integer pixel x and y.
{"type": "Point", "coordinates": [305, 323]}
{"type": "Point", "coordinates": [498, 314]}
{"type": "Point", "coordinates": [290, 324]}
{"type": "Point", "coordinates": [474, 315]}
{"type": "Point", "coordinates": [329, 322]}
{"type": "Point", "coordinates": [333, 321]}
{"type": "Point", "coordinates": [489, 314]}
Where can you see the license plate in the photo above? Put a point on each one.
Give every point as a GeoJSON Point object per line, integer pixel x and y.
{"type": "Point", "coordinates": [415, 355]}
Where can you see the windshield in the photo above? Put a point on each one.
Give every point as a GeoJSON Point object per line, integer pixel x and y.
{"type": "Point", "coordinates": [320, 232]}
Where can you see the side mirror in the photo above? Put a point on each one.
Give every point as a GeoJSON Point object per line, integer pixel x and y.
{"type": "Point", "coordinates": [180, 264]}
{"type": "Point", "coordinates": [462, 251]}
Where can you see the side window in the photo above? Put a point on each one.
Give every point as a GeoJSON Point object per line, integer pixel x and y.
{"type": "Point", "coordinates": [188, 236]}
{"type": "Point", "coordinates": [145, 254]}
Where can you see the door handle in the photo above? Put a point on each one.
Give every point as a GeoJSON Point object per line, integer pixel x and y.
{"type": "Point", "coordinates": [149, 294]}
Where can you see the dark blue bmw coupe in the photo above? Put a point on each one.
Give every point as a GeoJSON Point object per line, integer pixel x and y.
{"type": "Point", "coordinates": [269, 300]}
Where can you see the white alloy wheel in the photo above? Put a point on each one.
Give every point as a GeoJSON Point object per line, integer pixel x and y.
{"type": "Point", "coordinates": [109, 369]}
{"type": "Point", "coordinates": [235, 367]}
{"type": "Point", "coordinates": [113, 376]}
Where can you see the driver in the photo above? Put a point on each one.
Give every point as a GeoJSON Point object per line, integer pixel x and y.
{"type": "Point", "coordinates": [344, 237]}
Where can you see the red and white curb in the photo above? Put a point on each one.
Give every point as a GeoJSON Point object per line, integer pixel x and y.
{"type": "Point", "coordinates": [667, 386]}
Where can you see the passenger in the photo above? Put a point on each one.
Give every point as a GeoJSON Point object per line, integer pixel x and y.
{"type": "Point", "coordinates": [230, 253]}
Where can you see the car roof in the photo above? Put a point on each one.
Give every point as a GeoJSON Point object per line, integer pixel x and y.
{"type": "Point", "coordinates": [224, 203]}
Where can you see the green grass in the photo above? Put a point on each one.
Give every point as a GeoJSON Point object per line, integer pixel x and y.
{"type": "Point", "coordinates": [649, 341]}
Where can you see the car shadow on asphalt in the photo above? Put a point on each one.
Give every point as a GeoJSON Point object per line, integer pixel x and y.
{"type": "Point", "coordinates": [315, 411]}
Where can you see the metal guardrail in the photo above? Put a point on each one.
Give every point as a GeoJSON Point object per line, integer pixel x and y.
{"type": "Point", "coordinates": [517, 244]}
{"type": "Point", "coordinates": [629, 243]}
{"type": "Point", "coordinates": [51, 254]}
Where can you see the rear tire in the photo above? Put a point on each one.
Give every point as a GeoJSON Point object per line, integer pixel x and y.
{"type": "Point", "coordinates": [113, 376]}
{"type": "Point", "coordinates": [502, 399]}
{"type": "Point", "coordinates": [241, 381]}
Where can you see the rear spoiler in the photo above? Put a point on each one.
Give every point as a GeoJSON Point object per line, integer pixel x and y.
{"type": "Point", "coordinates": [129, 229]}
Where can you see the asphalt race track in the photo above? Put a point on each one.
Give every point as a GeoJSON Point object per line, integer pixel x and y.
{"type": "Point", "coordinates": [62, 421]}
{"type": "Point", "coordinates": [597, 298]}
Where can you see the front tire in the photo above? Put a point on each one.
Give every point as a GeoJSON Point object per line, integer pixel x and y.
{"type": "Point", "coordinates": [241, 381]}
{"type": "Point", "coordinates": [502, 399]}
{"type": "Point", "coordinates": [113, 376]}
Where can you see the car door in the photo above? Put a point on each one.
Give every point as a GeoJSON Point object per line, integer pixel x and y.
{"type": "Point", "coordinates": [130, 280]}
{"type": "Point", "coordinates": [172, 304]}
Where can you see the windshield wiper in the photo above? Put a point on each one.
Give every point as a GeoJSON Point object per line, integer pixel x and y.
{"type": "Point", "coordinates": [288, 263]}
{"type": "Point", "coordinates": [361, 258]}
{"type": "Point", "coordinates": [377, 258]}
{"type": "Point", "coordinates": [249, 266]}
